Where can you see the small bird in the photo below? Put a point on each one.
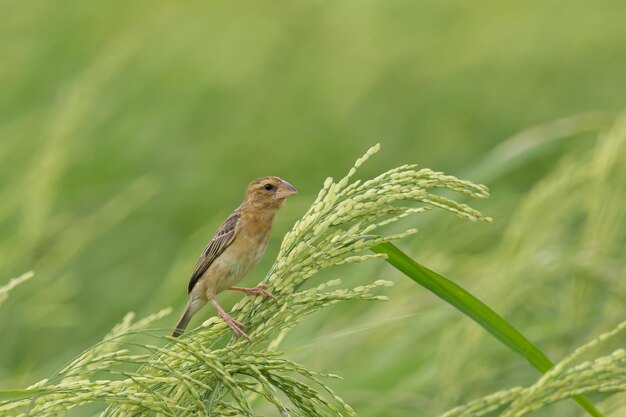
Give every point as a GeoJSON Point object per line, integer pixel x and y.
{"type": "Point", "coordinates": [236, 248]}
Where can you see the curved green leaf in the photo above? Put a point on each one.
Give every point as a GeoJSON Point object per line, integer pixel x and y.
{"type": "Point", "coordinates": [474, 309]}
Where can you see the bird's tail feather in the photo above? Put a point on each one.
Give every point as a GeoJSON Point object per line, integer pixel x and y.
{"type": "Point", "coordinates": [183, 321]}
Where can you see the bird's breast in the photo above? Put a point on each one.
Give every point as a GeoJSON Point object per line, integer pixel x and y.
{"type": "Point", "coordinates": [252, 248]}
{"type": "Point", "coordinates": [243, 254]}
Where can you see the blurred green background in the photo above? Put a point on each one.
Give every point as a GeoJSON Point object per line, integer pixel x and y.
{"type": "Point", "coordinates": [128, 131]}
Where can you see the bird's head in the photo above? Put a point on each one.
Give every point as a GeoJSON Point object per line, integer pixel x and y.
{"type": "Point", "coordinates": [268, 193]}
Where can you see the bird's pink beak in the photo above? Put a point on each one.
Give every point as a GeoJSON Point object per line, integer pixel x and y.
{"type": "Point", "coordinates": [285, 190]}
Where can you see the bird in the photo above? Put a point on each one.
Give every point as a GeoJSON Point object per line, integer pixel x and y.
{"type": "Point", "coordinates": [234, 251]}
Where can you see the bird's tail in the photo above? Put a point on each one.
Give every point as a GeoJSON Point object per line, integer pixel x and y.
{"type": "Point", "coordinates": [184, 319]}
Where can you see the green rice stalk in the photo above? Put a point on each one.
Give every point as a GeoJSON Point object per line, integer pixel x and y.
{"type": "Point", "coordinates": [475, 309]}
{"type": "Point", "coordinates": [14, 282]}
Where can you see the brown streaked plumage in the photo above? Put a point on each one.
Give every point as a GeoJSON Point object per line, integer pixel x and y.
{"type": "Point", "coordinates": [236, 248]}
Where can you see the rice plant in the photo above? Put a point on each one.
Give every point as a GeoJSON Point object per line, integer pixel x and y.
{"type": "Point", "coordinates": [209, 373]}
{"type": "Point", "coordinates": [606, 374]}
{"type": "Point", "coordinates": [138, 371]}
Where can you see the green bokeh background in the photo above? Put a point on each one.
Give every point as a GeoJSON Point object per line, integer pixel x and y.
{"type": "Point", "coordinates": [128, 131]}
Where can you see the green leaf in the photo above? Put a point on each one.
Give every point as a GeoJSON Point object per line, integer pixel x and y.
{"type": "Point", "coordinates": [18, 394]}
{"type": "Point", "coordinates": [474, 309]}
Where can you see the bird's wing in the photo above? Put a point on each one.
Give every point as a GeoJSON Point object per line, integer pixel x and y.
{"type": "Point", "coordinates": [223, 237]}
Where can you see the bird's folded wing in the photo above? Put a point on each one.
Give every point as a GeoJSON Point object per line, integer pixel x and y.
{"type": "Point", "coordinates": [223, 237]}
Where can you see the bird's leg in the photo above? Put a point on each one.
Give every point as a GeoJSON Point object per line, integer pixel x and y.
{"type": "Point", "coordinates": [236, 326]}
{"type": "Point", "coordinates": [260, 289]}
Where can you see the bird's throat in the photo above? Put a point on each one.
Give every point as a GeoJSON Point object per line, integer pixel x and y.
{"type": "Point", "coordinates": [258, 221]}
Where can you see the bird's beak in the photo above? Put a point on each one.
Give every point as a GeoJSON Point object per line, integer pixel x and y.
{"type": "Point", "coordinates": [285, 190]}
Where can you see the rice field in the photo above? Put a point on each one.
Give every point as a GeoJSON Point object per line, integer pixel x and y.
{"type": "Point", "coordinates": [128, 132]}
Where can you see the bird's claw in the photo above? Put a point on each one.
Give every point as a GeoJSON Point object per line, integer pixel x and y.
{"type": "Point", "coordinates": [236, 326]}
{"type": "Point", "coordinates": [261, 290]}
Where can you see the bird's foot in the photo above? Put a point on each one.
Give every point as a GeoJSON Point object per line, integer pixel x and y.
{"type": "Point", "coordinates": [236, 326]}
{"type": "Point", "coordinates": [260, 289]}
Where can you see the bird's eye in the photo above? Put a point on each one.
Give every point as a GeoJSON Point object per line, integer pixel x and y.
{"type": "Point", "coordinates": [268, 187]}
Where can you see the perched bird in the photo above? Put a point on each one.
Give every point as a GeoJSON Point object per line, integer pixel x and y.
{"type": "Point", "coordinates": [236, 248]}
